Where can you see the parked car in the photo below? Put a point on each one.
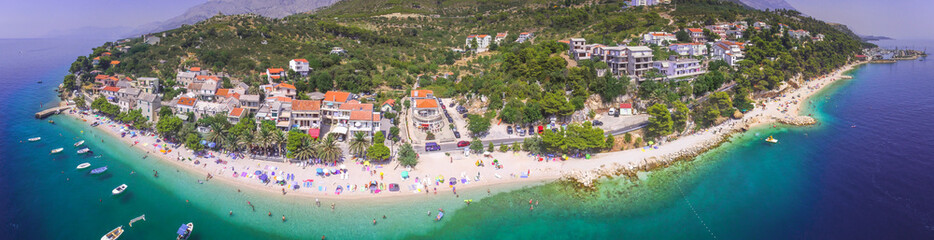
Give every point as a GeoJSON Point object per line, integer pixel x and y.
{"type": "Point", "coordinates": [597, 123]}
{"type": "Point", "coordinates": [432, 146]}
{"type": "Point", "coordinates": [452, 104]}
{"type": "Point", "coordinates": [509, 129]}
{"type": "Point", "coordinates": [521, 132]}
{"type": "Point", "coordinates": [464, 116]}
{"type": "Point", "coordinates": [450, 120]}
{"type": "Point", "coordinates": [457, 134]}
{"type": "Point", "coordinates": [463, 144]}
{"type": "Point", "coordinates": [531, 130]}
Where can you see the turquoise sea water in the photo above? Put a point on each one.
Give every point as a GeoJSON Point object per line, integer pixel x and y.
{"type": "Point", "coordinates": [832, 180]}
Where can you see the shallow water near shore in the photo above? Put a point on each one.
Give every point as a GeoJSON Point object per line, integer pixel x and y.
{"type": "Point", "coordinates": [831, 180]}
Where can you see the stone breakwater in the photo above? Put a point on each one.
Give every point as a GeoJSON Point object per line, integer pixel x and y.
{"type": "Point", "coordinates": [586, 179]}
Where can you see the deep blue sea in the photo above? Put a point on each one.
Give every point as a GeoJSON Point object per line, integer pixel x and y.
{"type": "Point", "coordinates": [865, 172]}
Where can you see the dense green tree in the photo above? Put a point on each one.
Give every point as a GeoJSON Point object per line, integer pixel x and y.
{"type": "Point", "coordinates": [476, 145]}
{"type": "Point", "coordinates": [477, 124]}
{"type": "Point", "coordinates": [193, 142]}
{"type": "Point", "coordinates": [660, 123]}
{"type": "Point", "coordinates": [407, 155]}
{"type": "Point", "coordinates": [679, 117]}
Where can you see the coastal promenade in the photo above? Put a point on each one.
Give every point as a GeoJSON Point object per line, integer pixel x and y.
{"type": "Point", "coordinates": [518, 168]}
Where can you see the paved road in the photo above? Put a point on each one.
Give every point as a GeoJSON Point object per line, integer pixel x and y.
{"type": "Point", "coordinates": [452, 146]}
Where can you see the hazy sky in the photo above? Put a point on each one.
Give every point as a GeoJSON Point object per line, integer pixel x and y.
{"type": "Point", "coordinates": [905, 19]}
{"type": "Point", "coordinates": [36, 18]}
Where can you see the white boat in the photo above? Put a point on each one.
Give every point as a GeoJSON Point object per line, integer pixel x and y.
{"type": "Point", "coordinates": [771, 140]}
{"type": "Point", "coordinates": [119, 189]}
{"type": "Point", "coordinates": [57, 150]}
{"type": "Point", "coordinates": [35, 139]}
{"type": "Point", "coordinates": [83, 150]}
{"type": "Point", "coordinates": [79, 143]}
{"type": "Point", "coordinates": [184, 231]}
{"type": "Point", "coordinates": [83, 165]}
{"type": "Point", "coordinates": [113, 234]}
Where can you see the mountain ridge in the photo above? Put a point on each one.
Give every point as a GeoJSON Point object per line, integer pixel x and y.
{"type": "Point", "coordinates": [266, 8]}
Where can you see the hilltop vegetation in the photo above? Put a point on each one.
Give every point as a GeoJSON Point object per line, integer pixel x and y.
{"type": "Point", "coordinates": [389, 43]}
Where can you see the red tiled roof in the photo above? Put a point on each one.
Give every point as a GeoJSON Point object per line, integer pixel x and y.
{"type": "Point", "coordinates": [106, 54]}
{"type": "Point", "coordinates": [101, 77]}
{"type": "Point", "coordinates": [564, 41]}
{"type": "Point", "coordinates": [376, 117]}
{"type": "Point", "coordinates": [501, 35]}
{"type": "Point", "coordinates": [483, 36]}
{"type": "Point", "coordinates": [300, 60]}
{"type": "Point", "coordinates": [421, 93]}
{"type": "Point", "coordinates": [860, 56]}
{"type": "Point", "coordinates": [195, 69]}
{"type": "Point", "coordinates": [285, 85]}
{"type": "Point", "coordinates": [97, 58]}
{"type": "Point", "coordinates": [336, 96]}
{"type": "Point", "coordinates": [356, 106]}
{"type": "Point", "coordinates": [275, 77]}
{"type": "Point", "coordinates": [187, 101]}
{"type": "Point", "coordinates": [426, 103]}
{"type": "Point", "coordinates": [236, 112]}
{"type": "Point", "coordinates": [275, 70]}
{"type": "Point", "coordinates": [223, 92]}
{"type": "Point", "coordinates": [625, 105]}
{"type": "Point", "coordinates": [114, 62]}
{"type": "Point", "coordinates": [695, 30]}
{"type": "Point", "coordinates": [361, 115]}
{"type": "Point", "coordinates": [206, 77]}
{"type": "Point", "coordinates": [111, 89]}
{"type": "Point", "coordinates": [306, 105]}
{"type": "Point", "coordinates": [281, 99]}
{"type": "Point", "coordinates": [524, 33]}
{"type": "Point", "coordinates": [234, 95]}
{"type": "Point", "coordinates": [391, 102]}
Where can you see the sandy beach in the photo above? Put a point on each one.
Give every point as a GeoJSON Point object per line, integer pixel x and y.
{"type": "Point", "coordinates": [517, 168]}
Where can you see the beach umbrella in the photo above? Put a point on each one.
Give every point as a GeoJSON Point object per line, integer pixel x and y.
{"type": "Point", "coordinates": [405, 174]}
{"type": "Point", "coordinates": [453, 181]}
{"type": "Point", "coordinates": [258, 172]}
{"type": "Point", "coordinates": [343, 166]}
{"type": "Point", "coordinates": [366, 163]}
{"type": "Point", "coordinates": [204, 142]}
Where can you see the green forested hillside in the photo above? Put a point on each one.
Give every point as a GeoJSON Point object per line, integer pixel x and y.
{"type": "Point", "coordinates": [391, 42]}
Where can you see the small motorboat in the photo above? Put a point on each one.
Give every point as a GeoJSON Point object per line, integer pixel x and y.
{"type": "Point", "coordinates": [99, 170]}
{"type": "Point", "coordinates": [184, 231]}
{"type": "Point", "coordinates": [84, 150]}
{"type": "Point", "coordinates": [440, 215]}
{"type": "Point", "coordinates": [57, 150]}
{"type": "Point", "coordinates": [770, 139]}
{"type": "Point", "coordinates": [113, 234]}
{"type": "Point", "coordinates": [79, 143]}
{"type": "Point", "coordinates": [83, 166]}
{"type": "Point", "coordinates": [35, 139]}
{"type": "Point", "coordinates": [119, 189]}
{"type": "Point", "coordinates": [52, 122]}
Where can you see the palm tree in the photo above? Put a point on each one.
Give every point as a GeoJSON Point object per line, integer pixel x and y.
{"type": "Point", "coordinates": [216, 135]}
{"type": "Point", "coordinates": [305, 151]}
{"type": "Point", "coordinates": [328, 150]}
{"type": "Point", "coordinates": [358, 144]}
{"type": "Point", "coordinates": [229, 142]}
{"type": "Point", "coordinates": [245, 140]}
{"type": "Point", "coordinates": [261, 140]}
{"type": "Point", "coordinates": [277, 140]}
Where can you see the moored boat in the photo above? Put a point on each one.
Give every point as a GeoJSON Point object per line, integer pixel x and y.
{"type": "Point", "coordinates": [440, 215]}
{"type": "Point", "coordinates": [113, 234]}
{"type": "Point", "coordinates": [770, 139]}
{"type": "Point", "coordinates": [57, 150]}
{"type": "Point", "coordinates": [184, 231]}
{"type": "Point", "coordinates": [99, 170]}
{"type": "Point", "coordinates": [84, 150]}
{"type": "Point", "coordinates": [35, 139]}
{"type": "Point", "coordinates": [79, 143]}
{"type": "Point", "coordinates": [119, 189]}
{"type": "Point", "coordinates": [83, 166]}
